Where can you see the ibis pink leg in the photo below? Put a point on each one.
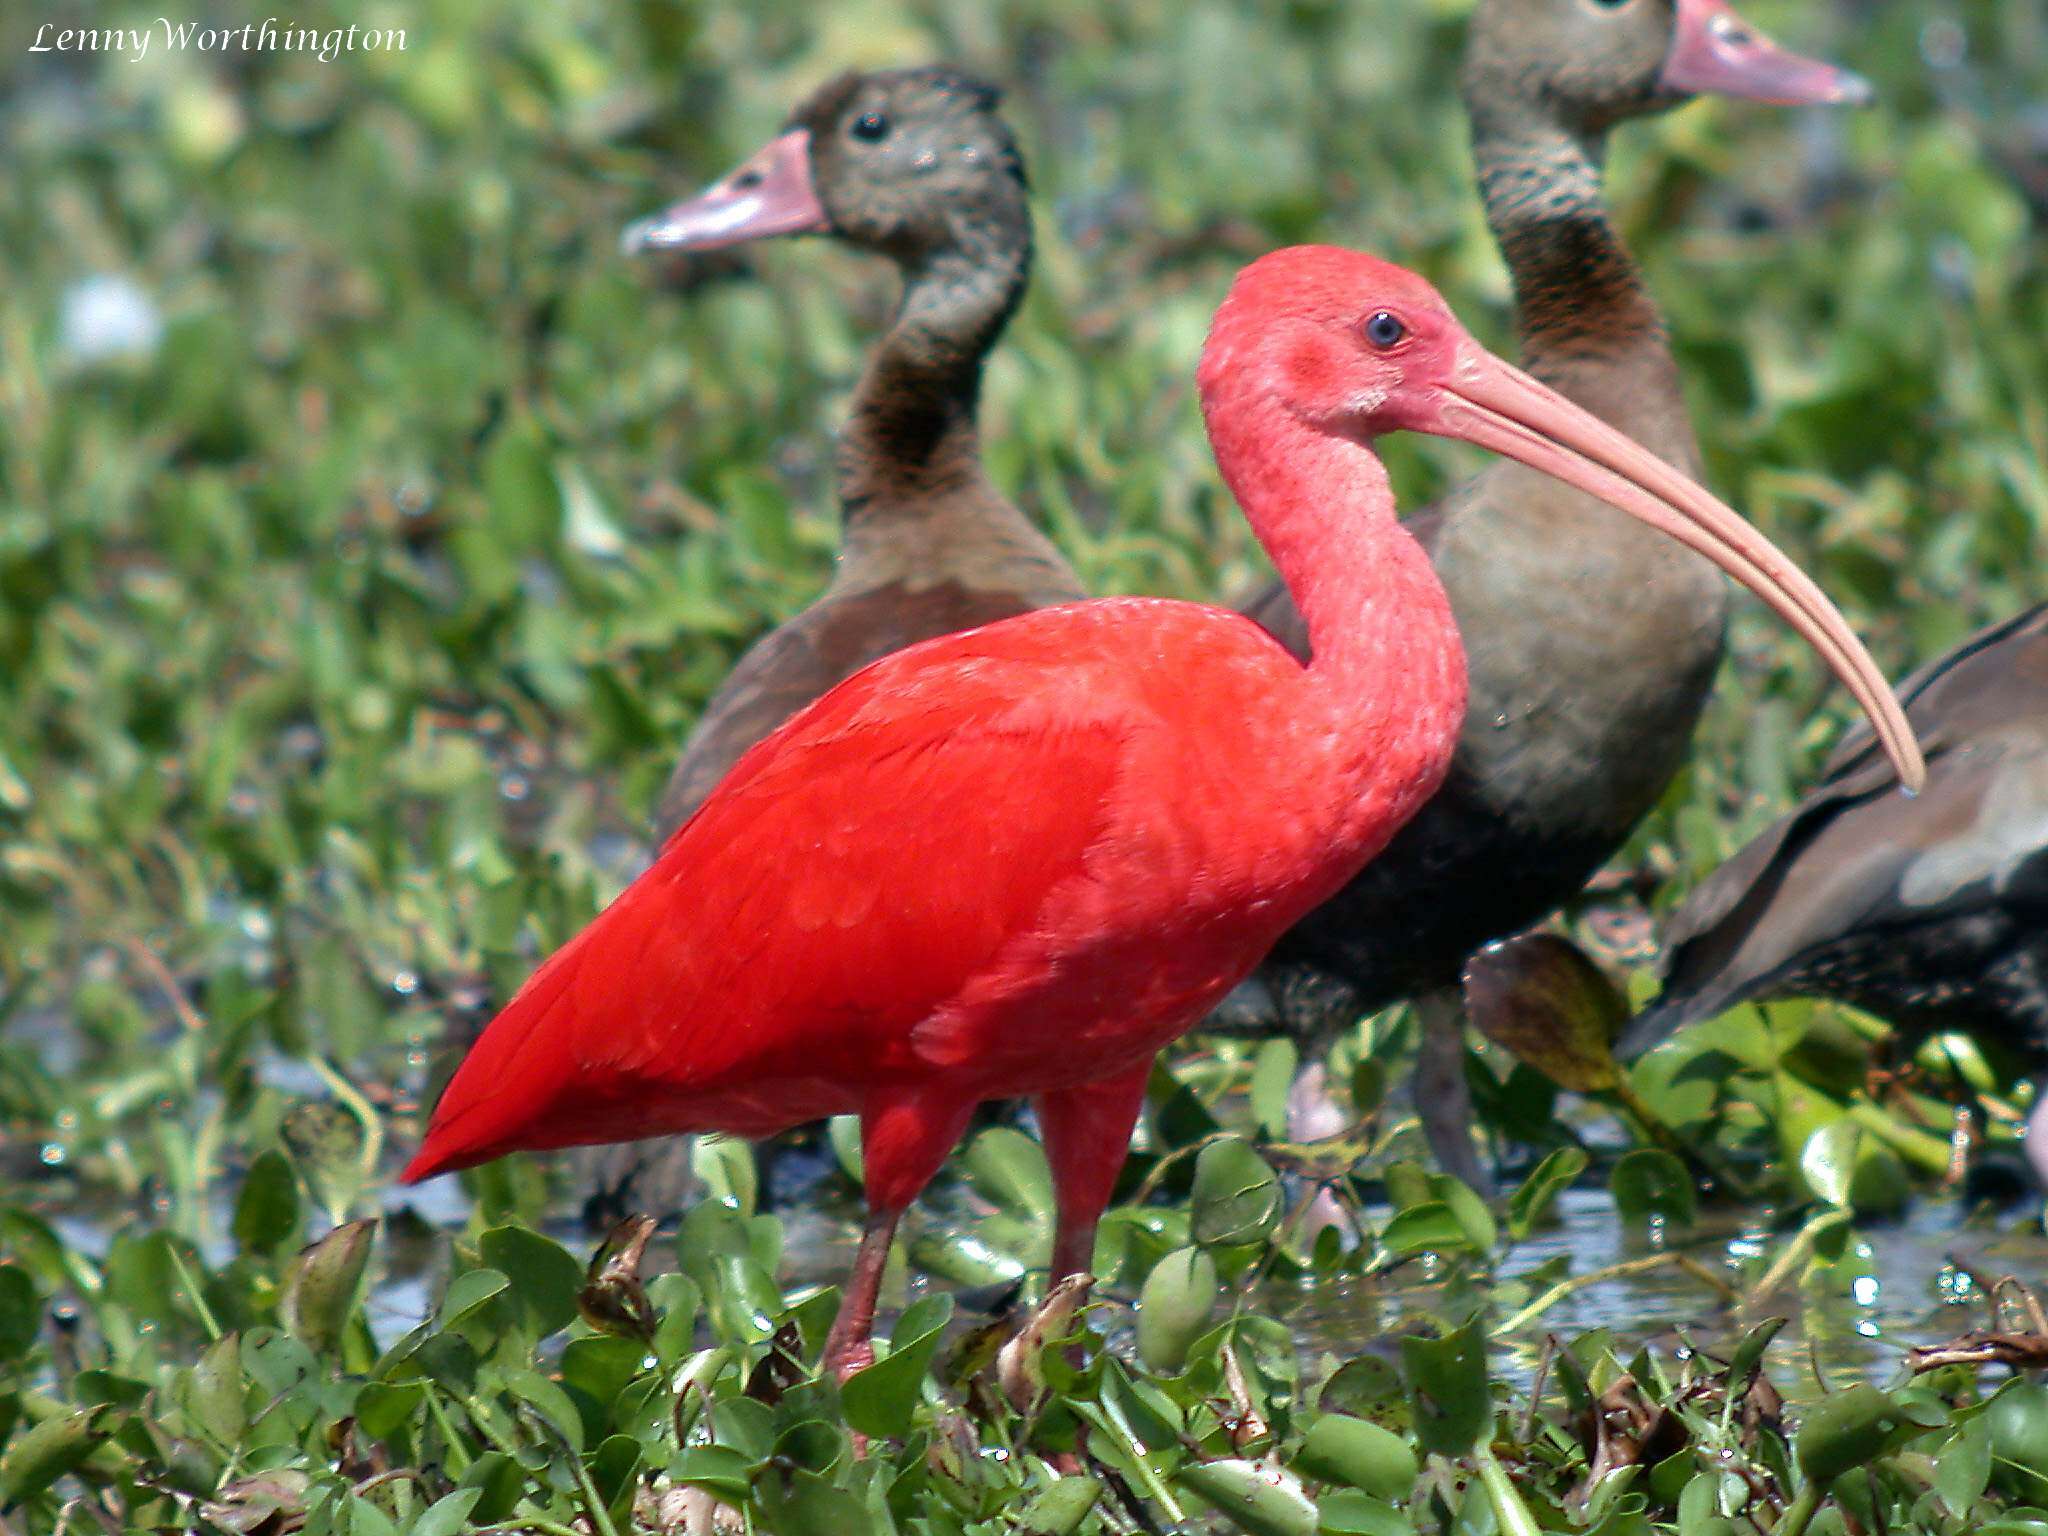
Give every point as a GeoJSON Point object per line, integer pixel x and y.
{"type": "Point", "coordinates": [1087, 1132]}
{"type": "Point", "coordinates": [904, 1137]}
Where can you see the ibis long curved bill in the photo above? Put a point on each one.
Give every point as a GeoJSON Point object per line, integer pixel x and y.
{"type": "Point", "coordinates": [1498, 407]}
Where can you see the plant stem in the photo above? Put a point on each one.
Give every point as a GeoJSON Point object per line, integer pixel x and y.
{"type": "Point", "coordinates": [1801, 1514]}
{"type": "Point", "coordinates": [1508, 1508]}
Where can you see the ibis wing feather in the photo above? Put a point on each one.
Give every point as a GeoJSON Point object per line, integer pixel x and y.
{"type": "Point", "coordinates": [792, 935]}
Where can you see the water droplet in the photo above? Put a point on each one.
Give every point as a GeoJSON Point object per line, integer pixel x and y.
{"type": "Point", "coordinates": [52, 1154]}
{"type": "Point", "coordinates": [513, 786]}
{"type": "Point", "coordinates": [256, 925]}
{"type": "Point", "coordinates": [1865, 1290]}
{"type": "Point", "coordinates": [67, 1119]}
{"type": "Point", "coordinates": [1500, 722]}
{"type": "Point", "coordinates": [405, 983]}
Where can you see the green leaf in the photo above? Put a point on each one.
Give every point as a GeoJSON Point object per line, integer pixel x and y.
{"type": "Point", "coordinates": [1174, 1307]}
{"type": "Point", "coordinates": [21, 1313]}
{"type": "Point", "coordinates": [470, 1291]}
{"type": "Point", "coordinates": [324, 1284]}
{"type": "Point", "coordinates": [725, 1164]}
{"type": "Point", "coordinates": [1649, 1182]}
{"type": "Point", "coordinates": [1010, 1168]}
{"type": "Point", "coordinates": [1539, 1192]}
{"type": "Point", "coordinates": [1237, 1198]}
{"type": "Point", "coordinates": [448, 1515]}
{"type": "Point", "coordinates": [1357, 1452]}
{"type": "Point", "coordinates": [1430, 1227]}
{"type": "Point", "coordinates": [547, 1400]}
{"type": "Point", "coordinates": [881, 1400]}
{"type": "Point", "coordinates": [51, 1449]}
{"type": "Point", "coordinates": [267, 1209]}
{"type": "Point", "coordinates": [1850, 1428]}
{"type": "Point", "coordinates": [545, 1277]}
{"type": "Point", "coordinates": [1962, 1471]}
{"type": "Point", "coordinates": [216, 1393]}
{"type": "Point", "coordinates": [1059, 1509]}
{"type": "Point", "coordinates": [1448, 1390]}
{"type": "Point", "coordinates": [1254, 1496]}
{"type": "Point", "coordinates": [1273, 1072]}
{"type": "Point", "coordinates": [1828, 1162]}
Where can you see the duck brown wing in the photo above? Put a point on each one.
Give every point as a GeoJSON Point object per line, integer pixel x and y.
{"type": "Point", "coordinates": [1829, 898]}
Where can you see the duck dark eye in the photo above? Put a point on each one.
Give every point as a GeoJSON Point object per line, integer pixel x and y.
{"type": "Point", "coordinates": [1383, 330]}
{"type": "Point", "coordinates": [870, 126]}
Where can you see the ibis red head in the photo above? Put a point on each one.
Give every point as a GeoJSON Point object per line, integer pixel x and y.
{"type": "Point", "coordinates": [1358, 347]}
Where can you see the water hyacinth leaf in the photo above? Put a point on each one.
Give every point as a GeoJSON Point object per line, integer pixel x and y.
{"type": "Point", "coordinates": [546, 1401]}
{"type": "Point", "coordinates": [1850, 1428]}
{"type": "Point", "coordinates": [1474, 1216]}
{"type": "Point", "coordinates": [1010, 1169]}
{"type": "Point", "coordinates": [717, 1469]}
{"type": "Point", "coordinates": [1174, 1307]}
{"type": "Point", "coordinates": [1273, 1073]}
{"type": "Point", "coordinates": [324, 1284]}
{"type": "Point", "coordinates": [51, 1449]}
{"type": "Point", "coordinates": [1254, 1496]}
{"type": "Point", "coordinates": [601, 1367]}
{"type": "Point", "coordinates": [1962, 1470]}
{"type": "Point", "coordinates": [470, 1292]}
{"type": "Point", "coordinates": [725, 1165]}
{"type": "Point", "coordinates": [1532, 1201]}
{"type": "Point", "coordinates": [1408, 1184]}
{"type": "Point", "coordinates": [1059, 1509]}
{"type": "Point", "coordinates": [2018, 1418]}
{"type": "Point", "coordinates": [1542, 999]}
{"type": "Point", "coordinates": [1432, 1227]}
{"type": "Point", "coordinates": [881, 1400]}
{"type": "Point", "coordinates": [216, 1392]}
{"type": "Point", "coordinates": [1237, 1197]}
{"type": "Point", "coordinates": [801, 1503]}
{"type": "Point", "coordinates": [1448, 1390]}
{"type": "Point", "coordinates": [1649, 1182]}
{"type": "Point", "coordinates": [545, 1277]}
{"type": "Point", "coordinates": [1348, 1512]}
{"type": "Point", "coordinates": [1828, 1162]}
{"type": "Point", "coordinates": [448, 1515]}
{"type": "Point", "coordinates": [497, 1479]}
{"type": "Point", "coordinates": [21, 1313]}
{"type": "Point", "coordinates": [1359, 1454]}
{"type": "Point", "coordinates": [267, 1209]}
{"type": "Point", "coordinates": [383, 1407]}
{"type": "Point", "coordinates": [326, 1142]}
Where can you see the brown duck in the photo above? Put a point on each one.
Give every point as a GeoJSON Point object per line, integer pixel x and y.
{"type": "Point", "coordinates": [1591, 643]}
{"type": "Point", "coordinates": [917, 166]}
{"type": "Point", "coordinates": [1930, 910]}
{"type": "Point", "coordinates": [914, 165]}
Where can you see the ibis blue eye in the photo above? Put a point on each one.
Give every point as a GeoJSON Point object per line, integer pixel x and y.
{"type": "Point", "coordinates": [871, 126]}
{"type": "Point", "coordinates": [1384, 331]}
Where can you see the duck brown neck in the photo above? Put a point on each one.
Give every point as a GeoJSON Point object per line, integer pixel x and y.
{"type": "Point", "coordinates": [1578, 293]}
{"type": "Point", "coordinates": [910, 436]}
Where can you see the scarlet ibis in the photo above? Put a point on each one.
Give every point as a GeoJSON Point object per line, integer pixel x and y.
{"type": "Point", "coordinates": [1016, 861]}
{"type": "Point", "coordinates": [1592, 642]}
{"type": "Point", "coordinates": [915, 165]}
{"type": "Point", "coordinates": [1931, 912]}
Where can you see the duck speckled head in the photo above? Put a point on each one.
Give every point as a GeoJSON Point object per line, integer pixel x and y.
{"type": "Point", "coordinates": [1591, 63]}
{"type": "Point", "coordinates": [905, 162]}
